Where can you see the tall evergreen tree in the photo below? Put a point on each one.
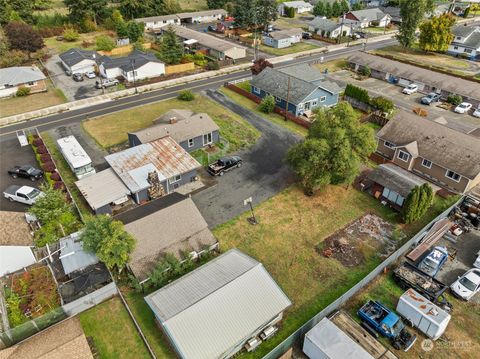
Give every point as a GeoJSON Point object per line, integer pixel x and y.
{"type": "Point", "coordinates": [412, 13]}
{"type": "Point", "coordinates": [336, 9]}
{"type": "Point", "coordinates": [417, 203]}
{"type": "Point", "coordinates": [319, 9]}
{"type": "Point", "coordinates": [216, 4]}
{"type": "Point", "coordinates": [328, 10]}
{"type": "Point", "coordinates": [344, 6]}
{"type": "Point", "coordinates": [245, 13]}
{"type": "Point", "coordinates": [266, 12]}
{"type": "Point", "coordinates": [171, 49]}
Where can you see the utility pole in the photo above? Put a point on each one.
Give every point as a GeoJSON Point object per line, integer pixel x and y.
{"type": "Point", "coordinates": [133, 72]}
{"type": "Point", "coordinates": [99, 74]}
{"type": "Point", "coordinates": [288, 99]}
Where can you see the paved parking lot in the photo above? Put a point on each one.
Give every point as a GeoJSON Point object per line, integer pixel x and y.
{"type": "Point", "coordinates": [73, 90]}
{"type": "Point", "coordinates": [464, 123]}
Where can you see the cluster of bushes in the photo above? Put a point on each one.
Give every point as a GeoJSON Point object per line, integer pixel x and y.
{"type": "Point", "coordinates": [329, 9]}
{"type": "Point", "coordinates": [46, 163]}
{"type": "Point", "coordinates": [186, 95]}
{"type": "Point", "coordinates": [357, 93]}
{"type": "Point", "coordinates": [198, 59]}
{"type": "Point", "coordinates": [267, 105]}
{"type": "Point", "coordinates": [22, 91]}
{"type": "Point", "coordinates": [289, 12]}
{"type": "Point", "coordinates": [380, 103]}
{"type": "Point", "coordinates": [454, 99]}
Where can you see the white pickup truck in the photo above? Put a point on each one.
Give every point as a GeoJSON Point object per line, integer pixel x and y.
{"type": "Point", "coordinates": [22, 194]}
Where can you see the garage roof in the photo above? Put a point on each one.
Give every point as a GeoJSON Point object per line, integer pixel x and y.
{"type": "Point", "coordinates": [102, 188]}
{"type": "Point", "coordinates": [18, 75]}
{"type": "Point", "coordinates": [13, 258]}
{"type": "Point", "coordinates": [211, 310]}
{"type": "Point", "coordinates": [75, 56]}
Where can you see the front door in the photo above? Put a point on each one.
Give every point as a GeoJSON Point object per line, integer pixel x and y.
{"type": "Point", "coordinates": [307, 106]}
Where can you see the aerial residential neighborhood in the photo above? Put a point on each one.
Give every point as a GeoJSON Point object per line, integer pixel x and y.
{"type": "Point", "coordinates": [257, 179]}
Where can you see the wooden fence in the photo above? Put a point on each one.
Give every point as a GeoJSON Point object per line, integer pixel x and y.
{"type": "Point", "coordinates": [175, 69]}
{"type": "Point", "coordinates": [122, 50]}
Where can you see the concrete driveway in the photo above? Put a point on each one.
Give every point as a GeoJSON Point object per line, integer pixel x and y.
{"type": "Point", "coordinates": [263, 174]}
{"type": "Point", "coordinates": [73, 90]}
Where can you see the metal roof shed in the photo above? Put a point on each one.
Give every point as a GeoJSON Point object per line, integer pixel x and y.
{"type": "Point", "coordinates": [214, 310]}
{"type": "Point", "coordinates": [72, 255]}
{"type": "Point", "coordinates": [326, 341]}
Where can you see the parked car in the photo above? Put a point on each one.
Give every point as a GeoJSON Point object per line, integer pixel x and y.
{"type": "Point", "coordinates": [376, 318]}
{"type": "Point", "coordinates": [225, 164]}
{"type": "Point", "coordinates": [477, 261]}
{"type": "Point", "coordinates": [359, 34]}
{"type": "Point", "coordinates": [476, 113]}
{"type": "Point", "coordinates": [90, 75]}
{"type": "Point", "coordinates": [22, 194]}
{"type": "Point", "coordinates": [432, 97]}
{"type": "Point", "coordinates": [464, 107]}
{"type": "Point", "coordinates": [306, 35]}
{"type": "Point", "coordinates": [26, 171]}
{"type": "Point", "coordinates": [466, 286]}
{"type": "Point", "coordinates": [412, 88]}
{"type": "Point", "coordinates": [434, 261]}
{"type": "Point", "coordinates": [77, 77]}
{"type": "Point", "coordinates": [106, 83]}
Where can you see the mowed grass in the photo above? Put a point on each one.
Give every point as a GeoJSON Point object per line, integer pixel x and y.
{"type": "Point", "coordinates": [113, 332]}
{"type": "Point", "coordinates": [112, 129]}
{"type": "Point", "coordinates": [332, 66]}
{"type": "Point", "coordinates": [462, 335]}
{"type": "Point", "coordinates": [193, 5]}
{"type": "Point", "coordinates": [61, 46]}
{"type": "Point", "coordinates": [16, 105]}
{"type": "Point", "coordinates": [298, 47]}
{"type": "Point", "coordinates": [290, 227]}
{"type": "Point", "coordinates": [273, 117]}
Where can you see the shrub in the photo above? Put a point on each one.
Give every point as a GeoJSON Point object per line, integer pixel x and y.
{"type": "Point", "coordinates": [48, 167]}
{"type": "Point", "coordinates": [455, 99]}
{"type": "Point", "coordinates": [213, 65]}
{"type": "Point", "coordinates": [42, 150]}
{"type": "Point", "coordinates": [58, 185]}
{"type": "Point", "coordinates": [88, 25]}
{"type": "Point", "coordinates": [70, 34]}
{"type": "Point", "coordinates": [22, 91]}
{"type": "Point", "coordinates": [383, 104]}
{"type": "Point", "coordinates": [357, 93]}
{"type": "Point", "coordinates": [50, 31]}
{"type": "Point", "coordinates": [375, 23]}
{"type": "Point", "coordinates": [13, 58]}
{"type": "Point", "coordinates": [55, 177]}
{"type": "Point", "coordinates": [186, 95]}
{"type": "Point", "coordinates": [87, 43]}
{"type": "Point", "coordinates": [267, 105]}
{"type": "Point", "coordinates": [37, 142]}
{"type": "Point", "coordinates": [418, 201]}
{"type": "Point", "coordinates": [365, 71]}
{"type": "Point", "coordinates": [45, 158]}
{"type": "Point", "coordinates": [105, 43]}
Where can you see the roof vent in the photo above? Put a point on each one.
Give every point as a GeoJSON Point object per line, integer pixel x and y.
{"type": "Point", "coordinates": [173, 120]}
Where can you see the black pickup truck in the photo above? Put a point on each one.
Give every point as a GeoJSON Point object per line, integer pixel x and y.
{"type": "Point", "coordinates": [224, 164]}
{"type": "Point", "coordinates": [27, 171]}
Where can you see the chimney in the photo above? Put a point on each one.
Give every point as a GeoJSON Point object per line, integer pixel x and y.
{"type": "Point", "coordinates": [173, 120]}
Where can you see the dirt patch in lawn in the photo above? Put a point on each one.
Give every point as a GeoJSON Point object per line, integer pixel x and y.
{"type": "Point", "coordinates": [366, 234]}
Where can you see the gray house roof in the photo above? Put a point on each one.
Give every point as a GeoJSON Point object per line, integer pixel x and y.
{"type": "Point", "coordinates": [303, 72]}
{"type": "Point", "coordinates": [214, 12]}
{"type": "Point", "coordinates": [157, 18]}
{"type": "Point", "coordinates": [285, 34]}
{"type": "Point", "coordinates": [394, 12]}
{"type": "Point", "coordinates": [296, 4]}
{"type": "Point", "coordinates": [469, 89]}
{"type": "Point", "coordinates": [472, 33]}
{"type": "Point", "coordinates": [188, 125]}
{"type": "Point", "coordinates": [18, 75]}
{"type": "Point", "coordinates": [73, 256]}
{"type": "Point", "coordinates": [443, 146]}
{"type": "Point", "coordinates": [463, 30]}
{"type": "Point", "coordinates": [374, 14]}
{"type": "Point", "coordinates": [125, 63]}
{"type": "Point", "coordinates": [324, 24]}
{"type": "Point", "coordinates": [213, 309]}
{"type": "Point", "coordinates": [75, 56]}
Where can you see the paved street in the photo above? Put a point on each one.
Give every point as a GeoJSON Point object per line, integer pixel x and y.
{"type": "Point", "coordinates": [263, 174]}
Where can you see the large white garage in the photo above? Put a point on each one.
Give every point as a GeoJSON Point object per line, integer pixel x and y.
{"type": "Point", "coordinates": [78, 60]}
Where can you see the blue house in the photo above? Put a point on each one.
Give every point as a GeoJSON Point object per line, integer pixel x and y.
{"type": "Point", "coordinates": [302, 86]}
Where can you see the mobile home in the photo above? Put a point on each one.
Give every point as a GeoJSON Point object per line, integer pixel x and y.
{"type": "Point", "coordinates": [76, 157]}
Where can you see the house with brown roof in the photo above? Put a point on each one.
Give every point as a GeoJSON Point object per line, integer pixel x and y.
{"type": "Point", "coordinates": [190, 130]}
{"type": "Point", "coordinates": [447, 158]}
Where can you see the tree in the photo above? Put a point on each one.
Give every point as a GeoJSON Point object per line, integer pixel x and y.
{"type": "Point", "coordinates": [49, 207]}
{"type": "Point", "coordinates": [171, 50]}
{"type": "Point", "coordinates": [267, 105]}
{"type": "Point", "coordinates": [104, 43]}
{"type": "Point", "coordinates": [216, 4]}
{"type": "Point", "coordinates": [13, 10]}
{"type": "Point", "coordinates": [244, 13]}
{"type": "Point", "coordinates": [336, 9]}
{"type": "Point", "coordinates": [172, 6]}
{"type": "Point", "coordinates": [134, 30]}
{"type": "Point", "coordinates": [132, 9]}
{"type": "Point", "coordinates": [4, 45]}
{"type": "Point", "coordinates": [411, 12]}
{"type": "Point", "coordinates": [417, 203]}
{"type": "Point", "coordinates": [23, 37]}
{"type": "Point", "coordinates": [80, 10]}
{"type": "Point", "coordinates": [259, 65]}
{"type": "Point", "coordinates": [358, 6]}
{"type": "Point", "coordinates": [70, 34]}
{"type": "Point", "coordinates": [328, 10]}
{"type": "Point", "coordinates": [290, 12]}
{"type": "Point", "coordinates": [344, 6]}
{"type": "Point", "coordinates": [319, 9]}
{"type": "Point", "coordinates": [266, 12]}
{"type": "Point", "coordinates": [108, 240]}
{"type": "Point", "coordinates": [335, 146]}
{"type": "Point", "coordinates": [435, 34]}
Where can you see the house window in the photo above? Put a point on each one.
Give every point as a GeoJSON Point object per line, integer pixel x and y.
{"type": "Point", "coordinates": [453, 175]}
{"type": "Point", "coordinates": [426, 163]}
{"type": "Point", "coordinates": [468, 51]}
{"type": "Point", "coordinates": [455, 47]}
{"type": "Point", "coordinates": [256, 89]}
{"type": "Point", "coordinates": [323, 98]}
{"type": "Point", "coordinates": [191, 142]}
{"type": "Point", "coordinates": [404, 156]}
{"type": "Point", "coordinates": [278, 99]}
{"type": "Point", "coordinates": [314, 102]}
{"type": "Point", "coordinates": [174, 179]}
{"type": "Point", "coordinates": [389, 144]}
{"type": "Point", "coordinates": [31, 83]}
{"type": "Point", "coordinates": [459, 37]}
{"type": "Point", "coordinates": [207, 139]}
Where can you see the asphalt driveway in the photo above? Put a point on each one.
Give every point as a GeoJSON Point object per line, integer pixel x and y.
{"type": "Point", "coordinates": [263, 174]}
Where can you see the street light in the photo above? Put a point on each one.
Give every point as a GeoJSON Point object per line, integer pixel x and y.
{"type": "Point", "coordinates": [132, 62]}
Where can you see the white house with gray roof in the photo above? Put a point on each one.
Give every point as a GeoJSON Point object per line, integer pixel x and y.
{"type": "Point", "coordinates": [299, 6]}
{"type": "Point", "coordinates": [196, 17]}
{"type": "Point", "coordinates": [217, 309]}
{"type": "Point", "coordinates": [300, 88]}
{"type": "Point", "coordinates": [466, 42]}
{"type": "Point", "coordinates": [328, 28]}
{"type": "Point", "coordinates": [136, 66]}
{"type": "Point", "coordinates": [283, 38]}
{"type": "Point", "coordinates": [78, 61]}
{"type": "Point", "coordinates": [11, 78]}
{"type": "Point", "coordinates": [366, 18]}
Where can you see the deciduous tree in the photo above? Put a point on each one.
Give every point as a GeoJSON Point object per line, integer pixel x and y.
{"type": "Point", "coordinates": [134, 31]}
{"type": "Point", "coordinates": [132, 9]}
{"type": "Point", "coordinates": [259, 65]}
{"type": "Point", "coordinates": [435, 34]}
{"type": "Point", "coordinates": [50, 207]}
{"type": "Point", "coordinates": [23, 37]}
{"type": "Point", "coordinates": [266, 12]}
{"type": "Point", "coordinates": [216, 4]}
{"type": "Point", "coordinates": [412, 13]}
{"type": "Point", "coordinates": [80, 10]}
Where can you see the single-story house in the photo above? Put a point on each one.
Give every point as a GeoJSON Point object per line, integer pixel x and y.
{"type": "Point", "coordinates": [328, 28]}
{"type": "Point", "coordinates": [225, 304]}
{"type": "Point", "coordinates": [427, 80]}
{"type": "Point", "coordinates": [301, 86]}
{"type": "Point", "coordinates": [190, 130]}
{"type": "Point", "coordinates": [135, 66]}
{"type": "Point", "coordinates": [153, 169]}
{"type": "Point", "coordinates": [12, 78]}
{"type": "Point", "coordinates": [78, 61]}
{"type": "Point", "coordinates": [445, 157]}
{"type": "Point", "coordinates": [14, 258]}
{"type": "Point", "coordinates": [202, 16]}
{"type": "Point", "coordinates": [216, 47]}
{"type": "Point", "coordinates": [466, 42]}
{"type": "Point", "coordinates": [103, 191]}
{"type": "Point", "coordinates": [366, 18]}
{"type": "Point", "coordinates": [283, 38]}
{"type": "Point", "coordinates": [157, 22]}
{"type": "Point", "coordinates": [299, 6]}
{"type": "Point", "coordinates": [171, 224]}
{"type": "Point", "coordinates": [394, 13]}
{"type": "Point", "coordinates": [392, 184]}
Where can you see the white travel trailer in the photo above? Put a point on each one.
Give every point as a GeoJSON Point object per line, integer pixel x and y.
{"type": "Point", "coordinates": [76, 157]}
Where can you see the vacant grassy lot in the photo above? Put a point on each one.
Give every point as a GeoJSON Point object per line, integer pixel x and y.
{"type": "Point", "coordinates": [291, 226]}
{"type": "Point", "coordinates": [273, 117]}
{"type": "Point", "coordinates": [15, 105]}
{"type": "Point", "coordinates": [62, 46]}
{"type": "Point", "coordinates": [112, 129]}
{"type": "Point", "coordinates": [332, 66]}
{"type": "Point", "coordinates": [462, 335]}
{"type": "Point", "coordinates": [298, 47]}
{"type": "Point", "coordinates": [193, 5]}
{"type": "Point", "coordinates": [113, 332]}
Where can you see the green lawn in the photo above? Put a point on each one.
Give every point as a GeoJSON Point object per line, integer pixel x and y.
{"type": "Point", "coordinates": [193, 5]}
{"type": "Point", "coordinates": [332, 66]}
{"type": "Point", "coordinates": [16, 105]}
{"type": "Point", "coordinates": [273, 117]}
{"type": "Point", "coordinates": [61, 46]}
{"type": "Point", "coordinates": [298, 47]}
{"type": "Point", "coordinates": [113, 332]}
